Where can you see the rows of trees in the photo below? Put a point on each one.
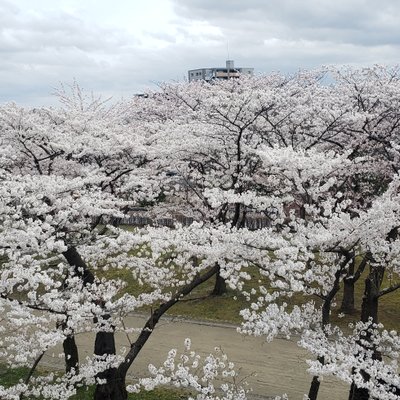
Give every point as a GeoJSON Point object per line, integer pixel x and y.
{"type": "Point", "coordinates": [315, 154]}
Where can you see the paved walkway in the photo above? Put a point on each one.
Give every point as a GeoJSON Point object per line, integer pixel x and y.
{"type": "Point", "coordinates": [271, 368]}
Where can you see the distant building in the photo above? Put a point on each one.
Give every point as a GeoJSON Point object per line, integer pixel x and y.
{"type": "Point", "coordinates": [209, 74]}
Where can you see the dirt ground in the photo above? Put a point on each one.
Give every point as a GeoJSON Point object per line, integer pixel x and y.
{"type": "Point", "coordinates": [269, 368]}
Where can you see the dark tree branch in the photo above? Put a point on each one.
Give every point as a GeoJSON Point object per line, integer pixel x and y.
{"type": "Point", "coordinates": [155, 317]}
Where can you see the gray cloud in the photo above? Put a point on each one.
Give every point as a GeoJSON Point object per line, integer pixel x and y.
{"type": "Point", "coordinates": [290, 34]}
{"type": "Point", "coordinates": [39, 51]}
{"type": "Point", "coordinates": [40, 48]}
{"type": "Point", "coordinates": [364, 22]}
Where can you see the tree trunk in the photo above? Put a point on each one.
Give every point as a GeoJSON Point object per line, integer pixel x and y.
{"type": "Point", "coordinates": [114, 387]}
{"type": "Point", "coordinates": [369, 311]}
{"type": "Point", "coordinates": [220, 285]}
{"type": "Point", "coordinates": [350, 280]}
{"type": "Point", "coordinates": [238, 221]}
{"type": "Point", "coordinates": [80, 268]}
{"type": "Point", "coordinates": [347, 306]}
{"type": "Point", "coordinates": [326, 309]}
{"type": "Point", "coordinates": [326, 316]}
{"type": "Point", "coordinates": [71, 354]}
{"type": "Point", "coordinates": [148, 328]}
{"type": "Point", "coordinates": [315, 384]}
{"type": "Point", "coordinates": [369, 306]}
{"type": "Point", "coordinates": [358, 393]}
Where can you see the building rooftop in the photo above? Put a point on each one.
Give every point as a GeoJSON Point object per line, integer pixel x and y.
{"type": "Point", "coordinates": [227, 72]}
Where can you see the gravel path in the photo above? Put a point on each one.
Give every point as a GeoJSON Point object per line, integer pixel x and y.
{"type": "Point", "coordinates": [271, 368]}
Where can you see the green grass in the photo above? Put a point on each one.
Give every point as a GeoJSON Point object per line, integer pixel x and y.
{"type": "Point", "coordinates": [11, 376]}
{"type": "Point", "coordinates": [389, 305]}
{"type": "Point", "coordinates": [199, 304]}
{"type": "Point", "coordinates": [156, 394]}
{"type": "Point", "coordinates": [227, 307]}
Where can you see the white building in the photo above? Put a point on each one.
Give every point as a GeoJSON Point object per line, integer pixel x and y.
{"type": "Point", "coordinates": [208, 74]}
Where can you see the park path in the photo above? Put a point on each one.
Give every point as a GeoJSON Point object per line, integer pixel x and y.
{"type": "Point", "coordinates": [271, 368]}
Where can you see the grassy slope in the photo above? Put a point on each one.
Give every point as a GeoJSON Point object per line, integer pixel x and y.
{"type": "Point", "coordinates": [226, 308]}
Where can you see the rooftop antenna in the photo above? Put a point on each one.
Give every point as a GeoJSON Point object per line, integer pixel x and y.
{"type": "Point", "coordinates": [228, 60]}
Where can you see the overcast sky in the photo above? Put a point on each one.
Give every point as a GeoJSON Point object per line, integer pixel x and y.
{"type": "Point", "coordinates": [121, 47]}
